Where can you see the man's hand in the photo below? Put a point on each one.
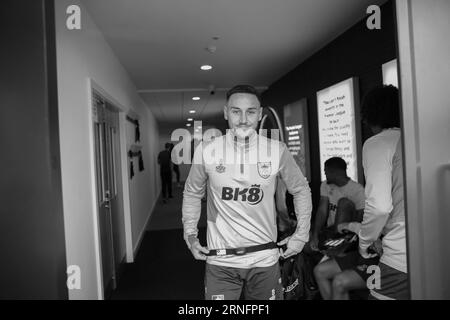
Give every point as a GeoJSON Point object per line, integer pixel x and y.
{"type": "Point", "coordinates": [365, 255]}
{"type": "Point", "coordinates": [377, 247]}
{"type": "Point", "coordinates": [196, 249]}
{"type": "Point", "coordinates": [292, 248]}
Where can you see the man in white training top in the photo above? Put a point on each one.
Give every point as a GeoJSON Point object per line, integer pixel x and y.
{"type": "Point", "coordinates": [384, 212]}
{"type": "Point", "coordinates": [239, 171]}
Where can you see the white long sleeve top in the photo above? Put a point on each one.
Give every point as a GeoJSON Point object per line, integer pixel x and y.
{"type": "Point", "coordinates": [241, 181]}
{"type": "Point", "coordinates": [384, 210]}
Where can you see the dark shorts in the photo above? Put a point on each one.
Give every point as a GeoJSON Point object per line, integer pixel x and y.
{"type": "Point", "coordinates": [225, 283]}
{"type": "Point", "coordinates": [352, 261]}
{"type": "Point", "coordinates": [394, 285]}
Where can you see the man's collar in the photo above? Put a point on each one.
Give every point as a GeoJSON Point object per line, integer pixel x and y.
{"type": "Point", "coordinates": [248, 142]}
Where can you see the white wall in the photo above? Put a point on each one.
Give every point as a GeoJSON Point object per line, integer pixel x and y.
{"type": "Point", "coordinates": [424, 60]}
{"type": "Point", "coordinates": [84, 54]}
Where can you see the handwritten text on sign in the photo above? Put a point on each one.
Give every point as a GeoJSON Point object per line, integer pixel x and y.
{"type": "Point", "coordinates": [337, 126]}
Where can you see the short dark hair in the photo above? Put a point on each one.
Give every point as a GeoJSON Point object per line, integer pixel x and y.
{"type": "Point", "coordinates": [336, 163]}
{"type": "Point", "coordinates": [168, 145]}
{"type": "Point", "coordinates": [381, 107]}
{"type": "Point", "coordinates": [244, 88]}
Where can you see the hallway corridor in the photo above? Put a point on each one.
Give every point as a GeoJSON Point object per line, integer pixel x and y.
{"type": "Point", "coordinates": [164, 269]}
{"type": "Point", "coordinates": [92, 91]}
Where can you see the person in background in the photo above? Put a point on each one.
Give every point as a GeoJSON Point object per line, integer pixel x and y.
{"type": "Point", "coordinates": [384, 212]}
{"type": "Point", "coordinates": [176, 167]}
{"type": "Point", "coordinates": [165, 165]}
{"type": "Point", "coordinates": [341, 204]}
{"type": "Point", "coordinates": [341, 200]}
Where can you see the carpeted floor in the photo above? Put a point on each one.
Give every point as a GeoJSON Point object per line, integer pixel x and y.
{"type": "Point", "coordinates": [164, 268]}
{"type": "Point", "coordinates": [167, 216]}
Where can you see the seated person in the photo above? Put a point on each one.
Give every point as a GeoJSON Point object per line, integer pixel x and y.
{"type": "Point", "coordinates": [341, 208]}
{"type": "Point", "coordinates": [336, 277]}
{"type": "Point", "coordinates": [341, 200]}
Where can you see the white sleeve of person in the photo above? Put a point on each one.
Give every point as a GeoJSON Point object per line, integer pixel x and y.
{"type": "Point", "coordinates": [297, 185]}
{"type": "Point", "coordinates": [194, 191]}
{"type": "Point", "coordinates": [378, 171]}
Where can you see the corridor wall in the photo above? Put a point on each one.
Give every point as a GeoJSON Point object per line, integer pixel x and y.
{"type": "Point", "coordinates": [83, 55]}
{"type": "Point", "coordinates": [357, 52]}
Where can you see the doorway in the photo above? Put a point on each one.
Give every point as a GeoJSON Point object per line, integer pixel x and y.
{"type": "Point", "coordinates": [424, 66]}
{"type": "Point", "coordinates": [107, 160]}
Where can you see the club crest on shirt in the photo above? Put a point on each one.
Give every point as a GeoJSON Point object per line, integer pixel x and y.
{"type": "Point", "coordinates": [264, 169]}
{"type": "Point", "coordinates": [220, 168]}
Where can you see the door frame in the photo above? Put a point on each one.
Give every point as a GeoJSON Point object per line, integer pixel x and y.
{"type": "Point", "coordinates": [124, 191]}
{"type": "Point", "coordinates": [426, 219]}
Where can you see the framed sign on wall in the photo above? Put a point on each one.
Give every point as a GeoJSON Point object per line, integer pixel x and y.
{"type": "Point", "coordinates": [390, 73]}
{"type": "Point", "coordinates": [340, 126]}
{"type": "Point", "coordinates": [296, 134]}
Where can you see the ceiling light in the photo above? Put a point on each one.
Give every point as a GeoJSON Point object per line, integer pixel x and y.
{"type": "Point", "coordinates": [199, 127]}
{"type": "Point", "coordinates": [191, 111]}
{"type": "Point", "coordinates": [188, 124]}
{"type": "Point", "coordinates": [196, 98]}
{"type": "Point", "coordinates": [190, 119]}
{"type": "Point", "coordinates": [196, 130]}
{"type": "Point", "coordinates": [206, 67]}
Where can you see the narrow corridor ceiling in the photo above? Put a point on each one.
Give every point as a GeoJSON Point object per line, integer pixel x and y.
{"type": "Point", "coordinates": [162, 44]}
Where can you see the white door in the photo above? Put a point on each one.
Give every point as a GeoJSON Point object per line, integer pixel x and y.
{"type": "Point", "coordinates": [105, 133]}
{"type": "Point", "coordinates": [424, 63]}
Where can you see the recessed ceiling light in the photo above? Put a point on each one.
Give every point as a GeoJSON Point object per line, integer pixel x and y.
{"type": "Point", "coordinates": [206, 67]}
{"type": "Point", "coordinates": [196, 130]}
{"type": "Point", "coordinates": [190, 119]}
{"type": "Point", "coordinates": [188, 124]}
{"type": "Point", "coordinates": [191, 111]}
{"type": "Point", "coordinates": [196, 98]}
{"type": "Point", "coordinates": [199, 127]}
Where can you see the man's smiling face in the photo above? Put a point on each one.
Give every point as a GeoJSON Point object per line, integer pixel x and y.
{"type": "Point", "coordinates": [243, 113]}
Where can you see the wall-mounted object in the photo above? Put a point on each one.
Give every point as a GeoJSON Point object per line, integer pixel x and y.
{"type": "Point", "coordinates": [270, 121]}
{"type": "Point", "coordinates": [390, 73]}
{"type": "Point", "coordinates": [297, 134]}
{"type": "Point", "coordinates": [131, 168]}
{"type": "Point", "coordinates": [141, 162]}
{"type": "Point", "coordinates": [339, 126]}
{"type": "Point", "coordinates": [135, 151]}
{"type": "Point", "coordinates": [137, 135]}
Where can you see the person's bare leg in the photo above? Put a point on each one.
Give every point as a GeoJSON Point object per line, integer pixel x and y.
{"type": "Point", "coordinates": [344, 282]}
{"type": "Point", "coordinates": [324, 273]}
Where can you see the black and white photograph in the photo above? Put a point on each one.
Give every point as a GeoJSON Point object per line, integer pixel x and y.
{"type": "Point", "coordinates": [238, 150]}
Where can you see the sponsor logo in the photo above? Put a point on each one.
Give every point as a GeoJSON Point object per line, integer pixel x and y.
{"type": "Point", "coordinates": [218, 297]}
{"type": "Point", "coordinates": [264, 169]}
{"type": "Point", "coordinates": [292, 286]}
{"type": "Point", "coordinates": [252, 195]}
